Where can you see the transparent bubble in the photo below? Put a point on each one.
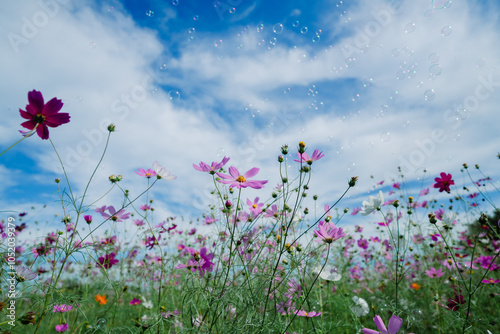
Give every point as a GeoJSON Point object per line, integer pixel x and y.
{"type": "Point", "coordinates": [175, 2]}
{"type": "Point", "coordinates": [480, 62]}
{"type": "Point", "coordinates": [316, 38]}
{"type": "Point", "coordinates": [286, 90]}
{"type": "Point", "coordinates": [395, 52]}
{"type": "Point", "coordinates": [303, 30]}
{"type": "Point", "coordinates": [260, 27]}
{"type": "Point", "coordinates": [435, 70]}
{"type": "Point", "coordinates": [429, 95]}
{"type": "Point", "coordinates": [111, 8]}
{"type": "Point", "coordinates": [150, 13]}
{"type": "Point", "coordinates": [350, 62]}
{"type": "Point", "coordinates": [385, 137]}
{"type": "Point", "coordinates": [174, 95]}
{"type": "Point", "coordinates": [400, 75]}
{"type": "Point", "coordinates": [367, 82]}
{"type": "Point", "coordinates": [428, 15]}
{"type": "Point", "coordinates": [191, 30]}
{"type": "Point", "coordinates": [218, 43]}
{"type": "Point", "coordinates": [406, 124]}
{"type": "Point", "coordinates": [295, 24]}
{"type": "Point", "coordinates": [232, 10]}
{"type": "Point", "coordinates": [446, 31]}
{"type": "Point", "coordinates": [440, 4]}
{"type": "Point", "coordinates": [351, 167]}
{"type": "Point", "coordinates": [78, 98]}
{"type": "Point", "coordinates": [278, 28]}
{"type": "Point", "coordinates": [92, 45]}
{"type": "Point", "coordinates": [457, 137]}
{"type": "Point", "coordinates": [433, 58]}
{"type": "Point", "coordinates": [409, 28]}
{"type": "Point", "coordinates": [101, 323]}
{"type": "Point", "coordinates": [163, 67]}
{"type": "Point", "coordinates": [420, 84]}
{"type": "Point", "coordinates": [272, 42]}
{"type": "Point", "coordinates": [196, 17]}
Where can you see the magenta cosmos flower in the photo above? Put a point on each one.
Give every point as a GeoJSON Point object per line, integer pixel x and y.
{"type": "Point", "coordinates": [107, 261]}
{"type": "Point", "coordinates": [328, 232]}
{"type": "Point", "coordinates": [395, 323]}
{"type": "Point", "coordinates": [62, 328]}
{"type": "Point", "coordinates": [236, 180]}
{"type": "Point", "coordinates": [308, 314]}
{"type": "Point", "coordinates": [203, 167]}
{"type": "Point", "coordinates": [305, 158]}
{"type": "Point", "coordinates": [146, 173]}
{"type": "Point", "coordinates": [115, 216]}
{"type": "Point", "coordinates": [433, 273]}
{"type": "Point", "coordinates": [444, 182]}
{"type": "Point", "coordinates": [201, 261]}
{"type": "Point", "coordinates": [43, 114]}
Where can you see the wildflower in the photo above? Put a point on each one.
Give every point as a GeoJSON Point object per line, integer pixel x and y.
{"type": "Point", "coordinates": [255, 206]}
{"type": "Point", "coordinates": [25, 274]}
{"type": "Point", "coordinates": [328, 232]}
{"type": "Point", "coordinates": [444, 182]}
{"type": "Point", "coordinates": [147, 303]}
{"type": "Point", "coordinates": [373, 203]}
{"type": "Point", "coordinates": [162, 173]}
{"type": "Point", "coordinates": [107, 261]}
{"type": "Point", "coordinates": [88, 218]}
{"type": "Point", "coordinates": [139, 222]}
{"type": "Point", "coordinates": [304, 157]}
{"type": "Point", "coordinates": [102, 300]}
{"type": "Point", "coordinates": [329, 273]}
{"type": "Point", "coordinates": [415, 286]}
{"type": "Point", "coordinates": [490, 281]}
{"type": "Point", "coordinates": [236, 180]}
{"type": "Point", "coordinates": [62, 308]}
{"type": "Point", "coordinates": [454, 303]}
{"type": "Point", "coordinates": [433, 273]}
{"type": "Point", "coordinates": [395, 323]}
{"type": "Point", "coordinates": [41, 115]}
{"type": "Point", "coordinates": [62, 328]}
{"type": "Point", "coordinates": [115, 216]}
{"type": "Point", "coordinates": [146, 173]}
{"type": "Point", "coordinates": [203, 167]}
{"type": "Point", "coordinates": [201, 261]}
{"type": "Point", "coordinates": [360, 307]}
{"type": "Point", "coordinates": [307, 314]}
{"type": "Point", "coordinates": [135, 301]}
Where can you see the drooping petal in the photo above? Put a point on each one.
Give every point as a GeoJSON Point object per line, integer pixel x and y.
{"type": "Point", "coordinates": [395, 323]}
{"type": "Point", "coordinates": [43, 131]}
{"type": "Point", "coordinates": [380, 324]}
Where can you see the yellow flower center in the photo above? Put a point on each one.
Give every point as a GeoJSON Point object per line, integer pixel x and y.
{"type": "Point", "coordinates": [254, 206]}
{"type": "Point", "coordinates": [241, 178]}
{"type": "Point", "coordinates": [39, 118]}
{"type": "Point", "coordinates": [305, 314]}
{"type": "Point", "coordinates": [301, 144]}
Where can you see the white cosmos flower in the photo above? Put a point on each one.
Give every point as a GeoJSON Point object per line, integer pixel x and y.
{"type": "Point", "coordinates": [329, 273]}
{"type": "Point", "coordinates": [162, 172]}
{"type": "Point", "coordinates": [372, 204]}
{"type": "Point", "coordinates": [360, 307]}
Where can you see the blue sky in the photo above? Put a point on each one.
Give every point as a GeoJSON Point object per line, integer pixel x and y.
{"type": "Point", "coordinates": [373, 84]}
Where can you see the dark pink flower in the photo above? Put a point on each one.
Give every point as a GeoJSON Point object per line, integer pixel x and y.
{"type": "Point", "coordinates": [62, 328]}
{"type": "Point", "coordinates": [305, 158]}
{"type": "Point", "coordinates": [135, 301]}
{"type": "Point", "coordinates": [107, 261]}
{"type": "Point", "coordinates": [236, 180]}
{"type": "Point", "coordinates": [88, 218]}
{"type": "Point", "coordinates": [490, 281]}
{"type": "Point", "coordinates": [43, 114]}
{"type": "Point", "coordinates": [444, 182]}
{"type": "Point", "coordinates": [215, 166]}
{"type": "Point", "coordinates": [201, 261]}
{"type": "Point", "coordinates": [114, 215]}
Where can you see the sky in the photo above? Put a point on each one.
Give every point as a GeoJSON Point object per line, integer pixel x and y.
{"type": "Point", "coordinates": [372, 84]}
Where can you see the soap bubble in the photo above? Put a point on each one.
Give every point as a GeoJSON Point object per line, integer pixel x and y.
{"type": "Point", "coordinates": [429, 95]}
{"type": "Point", "coordinates": [150, 13]}
{"type": "Point", "coordinates": [303, 30]}
{"type": "Point", "coordinates": [174, 95]}
{"type": "Point", "coordinates": [278, 28]}
{"type": "Point", "coordinates": [446, 31]}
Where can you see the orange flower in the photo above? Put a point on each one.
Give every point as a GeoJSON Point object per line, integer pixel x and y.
{"type": "Point", "coordinates": [415, 286]}
{"type": "Point", "coordinates": [101, 299]}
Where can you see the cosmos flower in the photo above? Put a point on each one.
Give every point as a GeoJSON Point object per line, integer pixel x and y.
{"type": "Point", "coordinates": [236, 180]}
{"type": "Point", "coordinates": [42, 115]}
{"type": "Point", "coordinates": [328, 232]}
{"type": "Point", "coordinates": [146, 173]}
{"type": "Point", "coordinates": [372, 204]}
{"type": "Point", "coordinates": [311, 314]}
{"type": "Point", "coordinates": [25, 274]}
{"type": "Point", "coordinates": [433, 273]}
{"type": "Point", "coordinates": [360, 307]}
{"type": "Point", "coordinates": [162, 173]}
{"type": "Point", "coordinates": [444, 182]}
{"type": "Point", "coordinates": [102, 300]}
{"type": "Point", "coordinates": [203, 167]}
{"type": "Point", "coordinates": [107, 261]}
{"type": "Point", "coordinates": [135, 301]}
{"type": "Point", "coordinates": [395, 323]}
{"type": "Point", "coordinates": [115, 216]}
{"type": "Point", "coordinates": [305, 158]}
{"type": "Point", "coordinates": [62, 328]}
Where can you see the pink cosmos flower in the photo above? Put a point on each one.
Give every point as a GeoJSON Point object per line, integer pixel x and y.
{"type": "Point", "coordinates": [115, 216]}
{"type": "Point", "coordinates": [311, 314]}
{"type": "Point", "coordinates": [395, 323]}
{"type": "Point", "coordinates": [255, 207]}
{"type": "Point", "coordinates": [424, 192]}
{"type": "Point", "coordinates": [433, 273]}
{"type": "Point", "coordinates": [304, 157]}
{"type": "Point", "coordinates": [43, 114]}
{"type": "Point", "coordinates": [146, 173]}
{"type": "Point", "coordinates": [215, 166]}
{"type": "Point", "coordinates": [201, 261]}
{"type": "Point", "coordinates": [88, 218]}
{"type": "Point", "coordinates": [62, 308]}
{"type": "Point", "coordinates": [490, 281]}
{"type": "Point", "coordinates": [236, 180]}
{"type": "Point", "coordinates": [272, 212]}
{"type": "Point", "coordinates": [62, 328]}
{"type": "Point", "coordinates": [107, 261]}
{"type": "Point", "coordinates": [328, 232]}
{"type": "Point", "coordinates": [135, 301]}
{"type": "Point", "coordinates": [444, 182]}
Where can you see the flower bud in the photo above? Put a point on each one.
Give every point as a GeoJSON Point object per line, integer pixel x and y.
{"type": "Point", "coordinates": [281, 158]}
{"type": "Point", "coordinates": [302, 147]}
{"type": "Point", "coordinates": [229, 204]}
{"type": "Point", "coordinates": [58, 180]}
{"type": "Point", "coordinates": [88, 218]}
{"type": "Point", "coordinates": [284, 149]}
{"type": "Point", "coordinates": [352, 181]}
{"type": "Point", "coordinates": [111, 127]}
{"type": "Point", "coordinates": [432, 218]}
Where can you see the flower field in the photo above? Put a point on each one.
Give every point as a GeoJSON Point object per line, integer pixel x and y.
{"type": "Point", "coordinates": [422, 259]}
